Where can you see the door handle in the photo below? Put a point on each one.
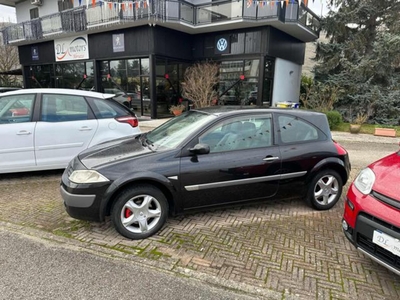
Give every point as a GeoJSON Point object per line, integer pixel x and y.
{"type": "Point", "coordinates": [24, 132]}
{"type": "Point", "coordinates": [271, 158]}
{"type": "Point", "coordinates": [85, 128]}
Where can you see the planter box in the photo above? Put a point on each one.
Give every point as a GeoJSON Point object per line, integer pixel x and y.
{"type": "Point", "coordinates": [385, 132]}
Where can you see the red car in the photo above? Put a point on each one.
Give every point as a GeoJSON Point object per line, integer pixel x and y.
{"type": "Point", "coordinates": [371, 219]}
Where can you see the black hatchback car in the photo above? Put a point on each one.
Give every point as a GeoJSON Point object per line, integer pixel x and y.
{"type": "Point", "coordinates": [206, 158]}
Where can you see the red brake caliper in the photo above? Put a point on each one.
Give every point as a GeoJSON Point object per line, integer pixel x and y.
{"type": "Point", "coordinates": [128, 213]}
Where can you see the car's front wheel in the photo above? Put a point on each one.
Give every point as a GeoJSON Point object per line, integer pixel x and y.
{"type": "Point", "coordinates": [324, 190]}
{"type": "Point", "coordinates": [139, 212]}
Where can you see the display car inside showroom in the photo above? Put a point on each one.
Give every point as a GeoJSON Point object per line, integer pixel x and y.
{"type": "Point", "coordinates": [131, 46]}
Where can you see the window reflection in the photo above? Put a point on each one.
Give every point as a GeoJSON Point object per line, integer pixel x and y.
{"type": "Point", "coordinates": [129, 80]}
{"type": "Point", "coordinates": [233, 90]}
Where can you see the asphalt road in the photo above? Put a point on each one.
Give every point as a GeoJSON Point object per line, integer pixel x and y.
{"type": "Point", "coordinates": [364, 149]}
{"type": "Point", "coordinates": [33, 268]}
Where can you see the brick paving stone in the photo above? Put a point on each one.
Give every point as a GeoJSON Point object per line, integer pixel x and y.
{"type": "Point", "coordinates": [283, 246]}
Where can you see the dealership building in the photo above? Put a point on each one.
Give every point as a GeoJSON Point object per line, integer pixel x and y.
{"type": "Point", "coordinates": [141, 48]}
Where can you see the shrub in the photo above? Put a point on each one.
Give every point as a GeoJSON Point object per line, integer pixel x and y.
{"type": "Point", "coordinates": [334, 119]}
{"type": "Point", "coordinates": [199, 83]}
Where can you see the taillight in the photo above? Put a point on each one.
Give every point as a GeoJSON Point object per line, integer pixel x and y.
{"type": "Point", "coordinates": [133, 121]}
{"type": "Point", "coordinates": [339, 148]}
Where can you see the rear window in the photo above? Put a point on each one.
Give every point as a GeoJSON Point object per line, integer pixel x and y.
{"type": "Point", "coordinates": [294, 130]}
{"type": "Point", "coordinates": [104, 109]}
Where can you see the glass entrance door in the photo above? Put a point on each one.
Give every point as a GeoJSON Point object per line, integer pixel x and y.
{"type": "Point", "coordinates": [128, 79]}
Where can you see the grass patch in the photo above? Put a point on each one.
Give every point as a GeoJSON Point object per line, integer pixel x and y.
{"type": "Point", "coordinates": [62, 233]}
{"type": "Point", "coordinates": [365, 128]}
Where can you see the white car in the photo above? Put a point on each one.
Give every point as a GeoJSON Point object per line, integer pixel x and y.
{"type": "Point", "coordinates": [44, 129]}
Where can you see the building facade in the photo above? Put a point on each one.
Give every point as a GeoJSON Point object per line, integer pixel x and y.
{"type": "Point", "coordinates": [141, 48]}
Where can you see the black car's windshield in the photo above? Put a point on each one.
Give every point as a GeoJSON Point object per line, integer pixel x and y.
{"type": "Point", "coordinates": [176, 130]}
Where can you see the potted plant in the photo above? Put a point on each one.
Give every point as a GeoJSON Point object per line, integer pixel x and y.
{"type": "Point", "coordinates": [176, 110]}
{"type": "Point", "coordinates": [355, 126]}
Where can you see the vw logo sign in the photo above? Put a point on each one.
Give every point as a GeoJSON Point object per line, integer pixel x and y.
{"type": "Point", "coordinates": [222, 44]}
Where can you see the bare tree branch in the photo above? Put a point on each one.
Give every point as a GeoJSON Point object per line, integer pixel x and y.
{"type": "Point", "coordinates": [9, 60]}
{"type": "Point", "coordinates": [199, 83]}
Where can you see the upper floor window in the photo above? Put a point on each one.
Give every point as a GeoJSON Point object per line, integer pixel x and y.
{"type": "Point", "coordinates": [34, 13]}
{"type": "Point", "coordinates": [65, 4]}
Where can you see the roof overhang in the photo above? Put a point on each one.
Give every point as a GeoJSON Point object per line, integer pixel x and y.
{"type": "Point", "coordinates": [10, 3]}
{"type": "Point", "coordinates": [12, 72]}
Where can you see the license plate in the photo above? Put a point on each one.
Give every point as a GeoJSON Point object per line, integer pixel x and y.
{"type": "Point", "coordinates": [387, 242]}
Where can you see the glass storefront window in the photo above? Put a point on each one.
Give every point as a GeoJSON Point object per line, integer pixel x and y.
{"type": "Point", "coordinates": [69, 75]}
{"type": "Point", "coordinates": [232, 90]}
{"type": "Point", "coordinates": [251, 68]}
{"type": "Point", "coordinates": [103, 66]}
{"type": "Point", "coordinates": [145, 66]}
{"type": "Point", "coordinates": [160, 66]}
{"type": "Point", "coordinates": [128, 76]}
{"type": "Point", "coordinates": [41, 76]}
{"type": "Point", "coordinates": [268, 81]}
{"type": "Point", "coordinates": [133, 67]}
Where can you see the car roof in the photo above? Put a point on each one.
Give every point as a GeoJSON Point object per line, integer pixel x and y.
{"type": "Point", "coordinates": [228, 109]}
{"type": "Point", "coordinates": [8, 88]}
{"type": "Point", "coordinates": [60, 91]}
{"type": "Point", "coordinates": [317, 118]}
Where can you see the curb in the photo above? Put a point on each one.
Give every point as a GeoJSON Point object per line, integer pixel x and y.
{"type": "Point", "coordinates": [74, 244]}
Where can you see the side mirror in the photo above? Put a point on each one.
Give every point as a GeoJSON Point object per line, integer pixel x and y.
{"type": "Point", "coordinates": [200, 149]}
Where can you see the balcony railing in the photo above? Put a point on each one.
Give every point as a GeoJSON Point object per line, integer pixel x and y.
{"type": "Point", "coordinates": [102, 15]}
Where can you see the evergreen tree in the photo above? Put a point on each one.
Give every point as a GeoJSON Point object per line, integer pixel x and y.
{"type": "Point", "coordinates": [362, 56]}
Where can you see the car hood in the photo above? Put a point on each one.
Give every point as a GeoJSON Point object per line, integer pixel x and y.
{"type": "Point", "coordinates": [387, 173]}
{"type": "Point", "coordinates": [114, 151]}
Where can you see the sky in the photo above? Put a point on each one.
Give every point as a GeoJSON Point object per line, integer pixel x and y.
{"type": "Point", "coordinates": [319, 7]}
{"type": "Point", "coordinates": [7, 14]}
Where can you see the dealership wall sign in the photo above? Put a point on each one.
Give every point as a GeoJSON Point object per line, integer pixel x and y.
{"type": "Point", "coordinates": [118, 42]}
{"type": "Point", "coordinates": [222, 45]}
{"type": "Point", "coordinates": [74, 48]}
{"type": "Point", "coordinates": [35, 53]}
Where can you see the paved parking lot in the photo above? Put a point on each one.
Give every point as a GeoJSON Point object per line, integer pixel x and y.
{"type": "Point", "coordinates": [276, 250]}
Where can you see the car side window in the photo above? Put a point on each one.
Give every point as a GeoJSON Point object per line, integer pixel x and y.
{"type": "Point", "coordinates": [293, 130]}
{"type": "Point", "coordinates": [16, 109]}
{"type": "Point", "coordinates": [62, 108]}
{"type": "Point", "coordinates": [246, 132]}
{"type": "Point", "coordinates": [104, 109]}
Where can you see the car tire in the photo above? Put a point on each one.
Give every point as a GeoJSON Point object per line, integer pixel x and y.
{"type": "Point", "coordinates": [324, 190]}
{"type": "Point", "coordinates": [139, 211]}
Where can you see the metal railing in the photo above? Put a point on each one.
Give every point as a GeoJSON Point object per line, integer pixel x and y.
{"type": "Point", "coordinates": [102, 15]}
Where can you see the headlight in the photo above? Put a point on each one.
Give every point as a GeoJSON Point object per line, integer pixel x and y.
{"type": "Point", "coordinates": [364, 181]}
{"type": "Point", "coordinates": [87, 176]}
